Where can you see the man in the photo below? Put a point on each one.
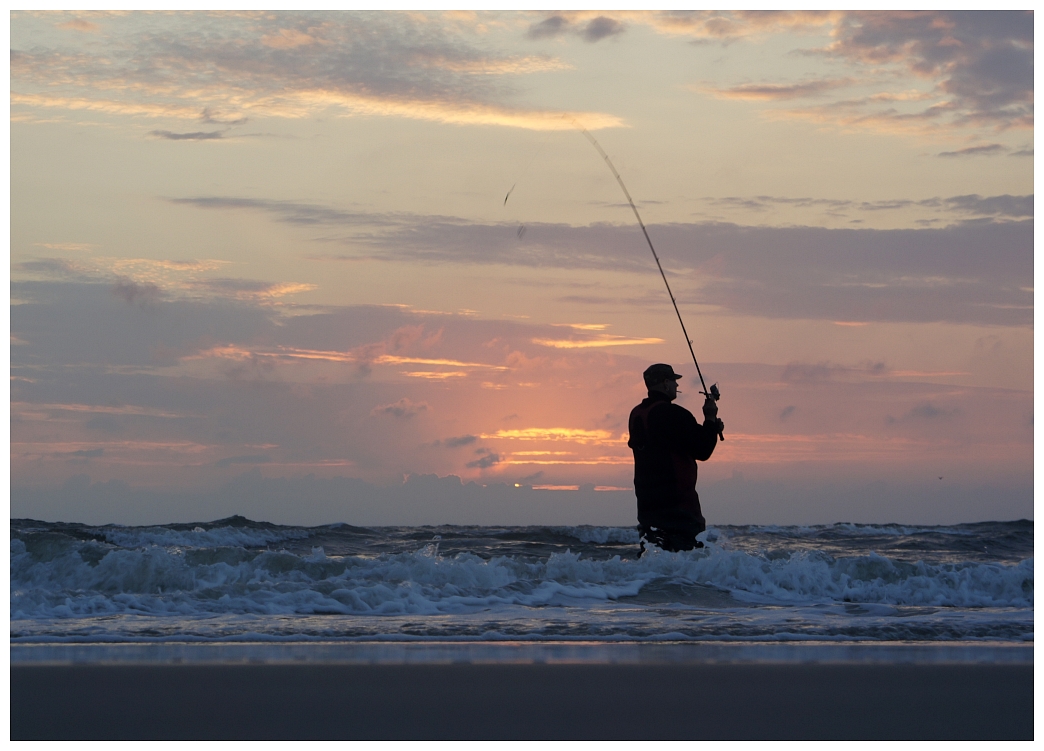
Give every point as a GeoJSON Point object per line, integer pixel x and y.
{"type": "Point", "coordinates": [667, 442]}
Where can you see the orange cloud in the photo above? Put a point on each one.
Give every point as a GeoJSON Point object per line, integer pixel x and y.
{"type": "Point", "coordinates": [576, 435]}
{"type": "Point", "coordinates": [542, 453]}
{"type": "Point", "coordinates": [599, 461]}
{"type": "Point", "coordinates": [434, 375]}
{"type": "Point", "coordinates": [456, 113]}
{"type": "Point", "coordinates": [233, 352]}
{"type": "Point", "coordinates": [244, 289]}
{"type": "Point", "coordinates": [530, 64]}
{"type": "Point", "coordinates": [584, 326]}
{"type": "Point", "coordinates": [108, 106]}
{"type": "Point", "coordinates": [304, 103]}
{"type": "Point", "coordinates": [605, 340]}
{"type": "Point", "coordinates": [397, 360]}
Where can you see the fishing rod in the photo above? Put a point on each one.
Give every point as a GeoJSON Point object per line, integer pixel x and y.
{"type": "Point", "coordinates": [713, 391]}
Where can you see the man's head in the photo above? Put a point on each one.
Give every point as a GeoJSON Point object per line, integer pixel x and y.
{"type": "Point", "coordinates": [661, 377]}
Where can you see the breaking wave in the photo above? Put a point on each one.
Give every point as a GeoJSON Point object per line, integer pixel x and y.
{"type": "Point", "coordinates": [236, 570]}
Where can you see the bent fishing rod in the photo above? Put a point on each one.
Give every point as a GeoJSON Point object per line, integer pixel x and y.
{"type": "Point", "coordinates": [713, 392]}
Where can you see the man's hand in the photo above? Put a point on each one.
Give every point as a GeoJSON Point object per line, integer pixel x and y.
{"type": "Point", "coordinates": [710, 417]}
{"type": "Point", "coordinates": [710, 410]}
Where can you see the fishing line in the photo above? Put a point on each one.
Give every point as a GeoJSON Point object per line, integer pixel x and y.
{"type": "Point", "coordinates": [713, 392]}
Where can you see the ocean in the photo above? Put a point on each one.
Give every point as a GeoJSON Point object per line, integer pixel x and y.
{"type": "Point", "coordinates": [237, 581]}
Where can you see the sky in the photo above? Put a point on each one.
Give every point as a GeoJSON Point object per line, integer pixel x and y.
{"type": "Point", "coordinates": [364, 267]}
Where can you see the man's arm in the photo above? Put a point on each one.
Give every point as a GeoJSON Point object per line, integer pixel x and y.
{"type": "Point", "coordinates": [698, 441]}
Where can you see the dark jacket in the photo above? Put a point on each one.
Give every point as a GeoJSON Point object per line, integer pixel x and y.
{"type": "Point", "coordinates": [667, 442]}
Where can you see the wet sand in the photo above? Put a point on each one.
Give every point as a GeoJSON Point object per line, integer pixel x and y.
{"type": "Point", "coordinates": [477, 700]}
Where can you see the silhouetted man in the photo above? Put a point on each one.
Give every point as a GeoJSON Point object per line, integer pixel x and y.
{"type": "Point", "coordinates": [667, 442]}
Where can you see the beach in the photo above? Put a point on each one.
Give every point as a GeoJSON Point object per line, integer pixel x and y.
{"type": "Point", "coordinates": [522, 691]}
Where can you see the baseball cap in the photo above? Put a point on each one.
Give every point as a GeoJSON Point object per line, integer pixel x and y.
{"type": "Point", "coordinates": [659, 373]}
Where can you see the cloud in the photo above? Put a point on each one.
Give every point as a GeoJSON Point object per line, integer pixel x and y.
{"type": "Point", "coordinates": [176, 416]}
{"type": "Point", "coordinates": [930, 411]}
{"type": "Point", "coordinates": [127, 290]}
{"type": "Point", "coordinates": [550, 27]}
{"type": "Point", "coordinates": [1006, 205]}
{"type": "Point", "coordinates": [52, 267]}
{"type": "Point", "coordinates": [993, 148]}
{"type": "Point", "coordinates": [86, 453]}
{"type": "Point", "coordinates": [763, 203]}
{"type": "Point", "coordinates": [730, 26]}
{"type": "Point", "coordinates": [574, 435]}
{"type": "Point", "coordinates": [600, 28]}
{"type": "Point", "coordinates": [974, 70]}
{"type": "Point", "coordinates": [85, 323]}
{"type": "Point", "coordinates": [775, 92]}
{"type": "Point", "coordinates": [983, 61]}
{"type": "Point", "coordinates": [79, 24]}
{"type": "Point", "coordinates": [97, 267]}
{"type": "Point", "coordinates": [978, 65]}
{"type": "Point", "coordinates": [925, 411]}
{"type": "Point", "coordinates": [147, 279]}
{"type": "Point", "coordinates": [104, 409]}
{"type": "Point", "coordinates": [225, 67]}
{"type": "Point", "coordinates": [487, 459]}
{"type": "Point", "coordinates": [250, 289]}
{"type": "Point", "coordinates": [799, 372]}
{"type": "Point", "coordinates": [287, 39]}
{"type": "Point", "coordinates": [195, 136]}
{"type": "Point", "coordinates": [251, 459]}
{"type": "Point", "coordinates": [857, 275]}
{"type": "Point", "coordinates": [463, 440]}
{"type": "Point", "coordinates": [208, 117]}
{"type": "Point", "coordinates": [596, 28]}
{"type": "Point", "coordinates": [404, 408]}
{"type": "Point", "coordinates": [73, 247]}
{"type": "Point", "coordinates": [291, 212]}
{"type": "Point", "coordinates": [104, 423]}
{"type": "Point", "coordinates": [312, 409]}
{"type": "Point", "coordinates": [603, 340]}
{"type": "Point", "coordinates": [107, 106]}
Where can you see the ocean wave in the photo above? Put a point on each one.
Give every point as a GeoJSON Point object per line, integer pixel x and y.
{"type": "Point", "coordinates": [850, 529]}
{"type": "Point", "coordinates": [78, 578]}
{"type": "Point", "coordinates": [198, 537]}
